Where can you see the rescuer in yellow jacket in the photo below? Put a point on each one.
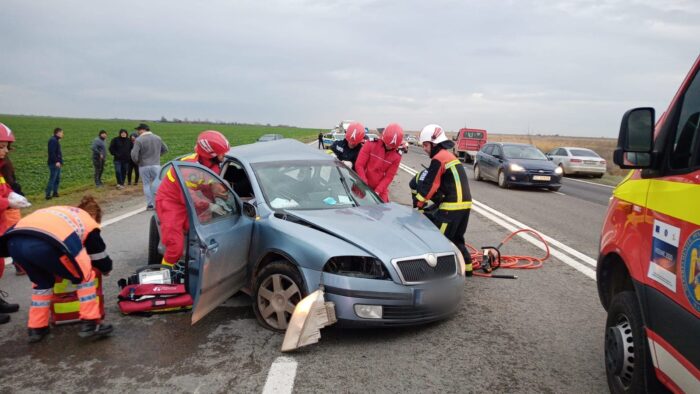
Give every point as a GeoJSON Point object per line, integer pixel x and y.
{"type": "Point", "coordinates": [64, 242]}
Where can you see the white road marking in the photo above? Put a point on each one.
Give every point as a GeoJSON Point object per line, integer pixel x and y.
{"type": "Point", "coordinates": [122, 217]}
{"type": "Point", "coordinates": [559, 193]}
{"type": "Point", "coordinates": [590, 183]}
{"type": "Point", "coordinates": [280, 379]}
{"type": "Point", "coordinates": [511, 224]}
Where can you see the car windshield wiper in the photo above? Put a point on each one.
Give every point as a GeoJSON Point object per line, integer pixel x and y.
{"type": "Point", "coordinates": [347, 189]}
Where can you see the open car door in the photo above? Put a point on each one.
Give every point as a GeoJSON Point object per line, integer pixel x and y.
{"type": "Point", "coordinates": [219, 238]}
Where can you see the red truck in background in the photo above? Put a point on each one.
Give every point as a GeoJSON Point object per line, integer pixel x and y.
{"type": "Point", "coordinates": [468, 142]}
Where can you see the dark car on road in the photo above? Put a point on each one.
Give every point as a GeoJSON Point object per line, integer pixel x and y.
{"type": "Point", "coordinates": [512, 164]}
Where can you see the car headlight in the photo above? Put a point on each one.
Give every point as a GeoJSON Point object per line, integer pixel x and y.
{"type": "Point", "coordinates": [558, 170]}
{"type": "Point", "coordinates": [460, 259]}
{"type": "Point", "coordinates": [516, 167]}
{"type": "Point", "coordinates": [357, 267]}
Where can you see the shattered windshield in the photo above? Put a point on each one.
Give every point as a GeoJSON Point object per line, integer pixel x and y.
{"type": "Point", "coordinates": [312, 185]}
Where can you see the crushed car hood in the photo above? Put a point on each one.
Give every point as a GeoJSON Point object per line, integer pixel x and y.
{"type": "Point", "coordinates": [385, 230]}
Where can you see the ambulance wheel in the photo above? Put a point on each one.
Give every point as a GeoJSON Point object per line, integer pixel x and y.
{"type": "Point", "coordinates": [477, 173]}
{"type": "Point", "coordinates": [278, 289]}
{"type": "Point", "coordinates": [154, 257]}
{"type": "Point", "coordinates": [628, 363]}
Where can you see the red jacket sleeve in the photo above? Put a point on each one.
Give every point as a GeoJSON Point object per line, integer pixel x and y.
{"type": "Point", "coordinates": [361, 163]}
{"type": "Point", "coordinates": [388, 177]}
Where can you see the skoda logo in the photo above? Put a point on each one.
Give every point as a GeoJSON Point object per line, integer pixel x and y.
{"type": "Point", "coordinates": [432, 260]}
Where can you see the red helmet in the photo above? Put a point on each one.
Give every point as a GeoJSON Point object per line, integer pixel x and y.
{"type": "Point", "coordinates": [355, 133]}
{"type": "Point", "coordinates": [6, 134]}
{"type": "Point", "coordinates": [211, 143]}
{"type": "Point", "coordinates": [392, 136]}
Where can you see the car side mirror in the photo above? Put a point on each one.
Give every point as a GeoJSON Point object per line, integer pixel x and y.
{"type": "Point", "coordinates": [636, 139]}
{"type": "Point", "coordinates": [550, 158]}
{"type": "Point", "coordinates": [249, 210]}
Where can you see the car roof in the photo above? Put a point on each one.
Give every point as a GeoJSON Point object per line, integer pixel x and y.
{"type": "Point", "coordinates": [576, 147]}
{"type": "Point", "coordinates": [285, 149]}
{"type": "Point", "coordinates": [511, 143]}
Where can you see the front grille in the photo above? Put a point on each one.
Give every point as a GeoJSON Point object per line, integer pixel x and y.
{"type": "Point", "coordinates": [540, 172]}
{"type": "Point", "coordinates": [418, 270]}
{"type": "Point", "coordinates": [408, 312]}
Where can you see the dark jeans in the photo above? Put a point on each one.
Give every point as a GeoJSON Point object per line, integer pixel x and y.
{"type": "Point", "coordinates": [133, 168]}
{"type": "Point", "coordinates": [120, 170]}
{"type": "Point", "coordinates": [320, 144]}
{"type": "Point", "coordinates": [99, 165]}
{"type": "Point", "coordinates": [54, 180]}
{"type": "Point", "coordinates": [39, 259]}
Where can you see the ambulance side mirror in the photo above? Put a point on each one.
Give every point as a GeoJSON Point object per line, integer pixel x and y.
{"type": "Point", "coordinates": [636, 139]}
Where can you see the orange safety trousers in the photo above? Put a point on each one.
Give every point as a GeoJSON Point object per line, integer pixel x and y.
{"type": "Point", "coordinates": [40, 310]}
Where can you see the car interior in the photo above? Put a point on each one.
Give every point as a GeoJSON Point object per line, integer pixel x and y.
{"type": "Point", "coordinates": [234, 173]}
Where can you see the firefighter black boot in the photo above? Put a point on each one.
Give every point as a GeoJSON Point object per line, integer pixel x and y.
{"type": "Point", "coordinates": [94, 328]}
{"type": "Point", "coordinates": [37, 334]}
{"type": "Point", "coordinates": [6, 307]}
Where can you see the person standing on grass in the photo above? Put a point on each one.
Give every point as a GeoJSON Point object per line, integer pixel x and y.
{"type": "Point", "coordinates": [133, 167]}
{"type": "Point", "coordinates": [120, 148]}
{"type": "Point", "coordinates": [146, 153]}
{"type": "Point", "coordinates": [55, 163]}
{"type": "Point", "coordinates": [99, 152]}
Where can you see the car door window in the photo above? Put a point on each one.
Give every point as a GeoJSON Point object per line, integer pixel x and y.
{"type": "Point", "coordinates": [686, 147]}
{"type": "Point", "coordinates": [488, 149]}
{"type": "Point", "coordinates": [561, 152]}
{"type": "Point", "coordinates": [211, 198]}
{"type": "Point", "coordinates": [497, 151]}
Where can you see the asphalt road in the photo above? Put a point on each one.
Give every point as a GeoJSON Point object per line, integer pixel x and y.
{"type": "Point", "coordinates": [540, 333]}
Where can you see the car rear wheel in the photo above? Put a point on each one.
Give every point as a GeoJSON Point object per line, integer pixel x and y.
{"type": "Point", "coordinates": [628, 363]}
{"type": "Point", "coordinates": [502, 180]}
{"type": "Point", "coordinates": [278, 289]}
{"type": "Point", "coordinates": [154, 257]}
{"type": "Point", "coordinates": [477, 173]}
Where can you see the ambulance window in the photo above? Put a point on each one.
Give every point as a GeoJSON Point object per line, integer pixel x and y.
{"type": "Point", "coordinates": [686, 148]}
{"type": "Point", "coordinates": [210, 197]}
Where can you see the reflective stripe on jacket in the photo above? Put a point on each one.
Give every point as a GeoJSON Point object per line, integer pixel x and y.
{"type": "Point", "coordinates": [445, 176]}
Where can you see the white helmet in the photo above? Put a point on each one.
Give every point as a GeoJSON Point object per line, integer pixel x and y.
{"type": "Point", "coordinates": [432, 133]}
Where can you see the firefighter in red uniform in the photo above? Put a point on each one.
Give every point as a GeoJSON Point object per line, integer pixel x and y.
{"type": "Point", "coordinates": [6, 139]}
{"type": "Point", "coordinates": [447, 179]}
{"type": "Point", "coordinates": [62, 242]}
{"type": "Point", "coordinates": [170, 202]}
{"type": "Point", "coordinates": [348, 149]}
{"type": "Point", "coordinates": [379, 161]}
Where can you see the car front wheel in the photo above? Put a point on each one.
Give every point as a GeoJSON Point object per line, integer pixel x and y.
{"type": "Point", "coordinates": [477, 173]}
{"type": "Point", "coordinates": [628, 363]}
{"type": "Point", "coordinates": [563, 172]}
{"type": "Point", "coordinates": [502, 180]}
{"type": "Point", "coordinates": [278, 289]}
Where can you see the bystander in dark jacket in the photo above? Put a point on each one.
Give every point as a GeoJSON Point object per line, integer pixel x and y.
{"type": "Point", "coordinates": [99, 153]}
{"type": "Point", "coordinates": [133, 167]}
{"type": "Point", "coordinates": [120, 148]}
{"type": "Point", "coordinates": [55, 162]}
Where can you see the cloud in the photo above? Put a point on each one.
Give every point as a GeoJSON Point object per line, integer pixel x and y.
{"type": "Point", "coordinates": [568, 67]}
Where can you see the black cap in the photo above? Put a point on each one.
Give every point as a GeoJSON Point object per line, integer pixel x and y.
{"type": "Point", "coordinates": [143, 126]}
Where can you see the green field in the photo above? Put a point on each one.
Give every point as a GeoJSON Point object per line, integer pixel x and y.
{"type": "Point", "coordinates": [29, 152]}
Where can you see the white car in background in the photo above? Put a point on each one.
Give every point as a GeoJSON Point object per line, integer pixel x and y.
{"type": "Point", "coordinates": [574, 160]}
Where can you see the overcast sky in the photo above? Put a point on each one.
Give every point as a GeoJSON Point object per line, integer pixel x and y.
{"type": "Point", "coordinates": [568, 67]}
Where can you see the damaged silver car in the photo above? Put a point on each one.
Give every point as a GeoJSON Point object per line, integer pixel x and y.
{"type": "Point", "coordinates": [296, 219]}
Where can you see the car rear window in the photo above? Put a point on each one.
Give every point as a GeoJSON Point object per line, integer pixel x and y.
{"type": "Point", "coordinates": [583, 152]}
{"type": "Point", "coordinates": [473, 134]}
